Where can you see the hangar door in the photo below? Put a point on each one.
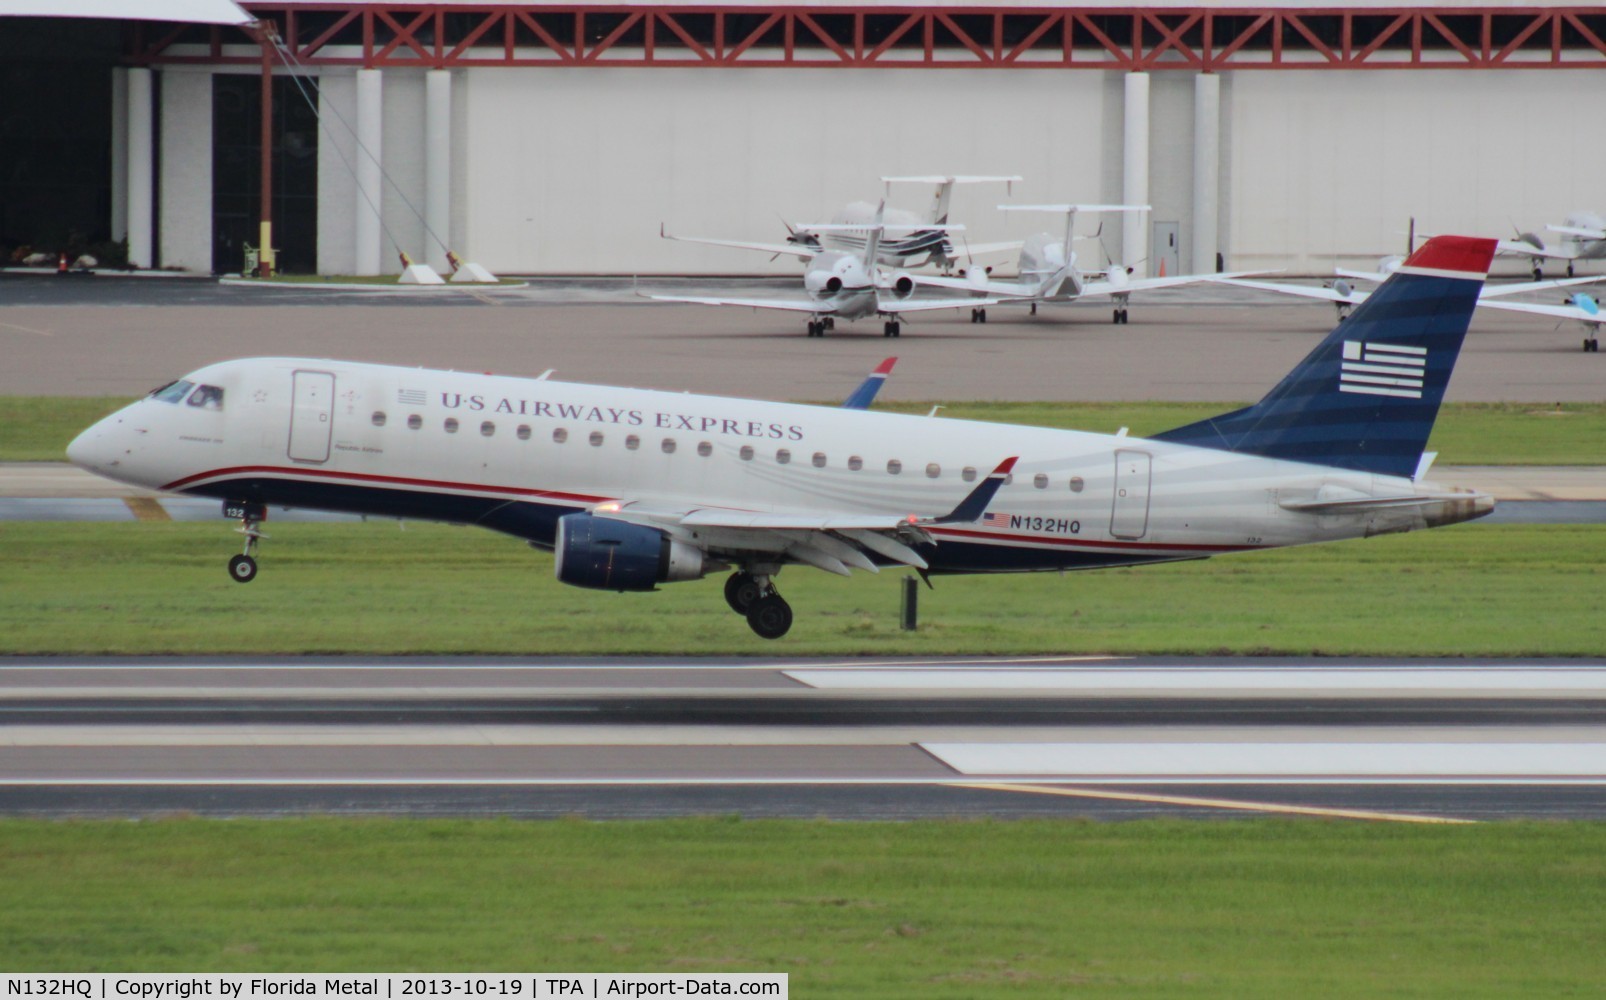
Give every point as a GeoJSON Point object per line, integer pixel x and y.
{"type": "Point", "coordinates": [312, 416]}
{"type": "Point", "coordinates": [1129, 517]}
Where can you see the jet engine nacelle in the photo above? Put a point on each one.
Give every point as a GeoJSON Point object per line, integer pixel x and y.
{"type": "Point", "coordinates": [903, 286]}
{"type": "Point", "coordinates": [1343, 287]}
{"type": "Point", "coordinates": [604, 554]}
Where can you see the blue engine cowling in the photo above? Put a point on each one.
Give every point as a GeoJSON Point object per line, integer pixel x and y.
{"type": "Point", "coordinates": [606, 554]}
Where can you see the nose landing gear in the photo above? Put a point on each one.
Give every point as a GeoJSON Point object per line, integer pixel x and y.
{"type": "Point", "coordinates": [243, 567]}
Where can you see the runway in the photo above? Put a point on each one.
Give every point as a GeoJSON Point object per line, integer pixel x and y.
{"type": "Point", "coordinates": [1384, 740]}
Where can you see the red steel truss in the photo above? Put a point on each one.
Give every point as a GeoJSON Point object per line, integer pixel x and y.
{"type": "Point", "coordinates": [1204, 39]}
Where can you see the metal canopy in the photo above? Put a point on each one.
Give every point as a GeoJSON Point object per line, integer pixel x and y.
{"type": "Point", "coordinates": [178, 11]}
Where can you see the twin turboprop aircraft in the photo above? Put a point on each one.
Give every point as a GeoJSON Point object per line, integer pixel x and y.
{"type": "Point", "coordinates": [634, 488]}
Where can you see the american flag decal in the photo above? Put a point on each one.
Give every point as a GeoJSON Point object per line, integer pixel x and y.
{"type": "Point", "coordinates": [995, 520]}
{"type": "Point", "coordinates": [1383, 369]}
{"type": "Point", "coordinates": [411, 397]}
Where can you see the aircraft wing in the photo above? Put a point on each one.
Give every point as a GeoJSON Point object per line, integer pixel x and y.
{"type": "Point", "coordinates": [798, 250]}
{"type": "Point", "coordinates": [982, 249]}
{"type": "Point", "coordinates": [816, 306]}
{"type": "Point", "coordinates": [894, 305]}
{"type": "Point", "coordinates": [1145, 284]}
{"type": "Point", "coordinates": [1568, 311]}
{"type": "Point", "coordinates": [1522, 248]}
{"type": "Point", "coordinates": [1306, 291]}
{"type": "Point", "coordinates": [837, 542]}
{"type": "Point", "coordinates": [1588, 234]}
{"type": "Point", "coordinates": [1517, 288]}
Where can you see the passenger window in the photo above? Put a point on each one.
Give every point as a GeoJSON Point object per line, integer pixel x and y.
{"type": "Point", "coordinates": [560, 435]}
{"type": "Point", "coordinates": [451, 425]}
{"type": "Point", "coordinates": [783, 456]}
{"type": "Point", "coordinates": [669, 446]}
{"type": "Point", "coordinates": [172, 392]}
{"type": "Point", "coordinates": [855, 463]}
{"type": "Point", "coordinates": [208, 397]}
{"type": "Point", "coordinates": [819, 460]}
{"type": "Point", "coordinates": [523, 432]}
{"type": "Point", "coordinates": [632, 442]}
{"type": "Point", "coordinates": [414, 421]}
{"type": "Point", "coordinates": [933, 470]}
{"type": "Point", "coordinates": [894, 466]}
{"type": "Point", "coordinates": [1076, 484]}
{"type": "Point", "coordinates": [487, 428]}
{"type": "Point", "coordinates": [1040, 481]}
{"type": "Point", "coordinates": [746, 453]}
{"type": "Point", "coordinates": [379, 418]}
{"type": "Point", "coordinates": [596, 439]}
{"type": "Point", "coordinates": [1009, 480]}
{"type": "Point", "coordinates": [968, 473]}
{"type": "Point", "coordinates": [704, 448]}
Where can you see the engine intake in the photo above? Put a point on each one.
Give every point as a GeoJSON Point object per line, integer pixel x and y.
{"type": "Point", "coordinates": [605, 554]}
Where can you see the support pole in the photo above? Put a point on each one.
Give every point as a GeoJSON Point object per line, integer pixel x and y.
{"type": "Point", "coordinates": [1206, 171]}
{"type": "Point", "coordinates": [1135, 174]}
{"type": "Point", "coordinates": [438, 165]}
{"type": "Point", "coordinates": [909, 617]}
{"type": "Point", "coordinates": [141, 170]}
{"type": "Point", "coordinates": [266, 261]}
{"type": "Point", "coordinates": [119, 152]}
{"type": "Point", "coordinates": [370, 137]}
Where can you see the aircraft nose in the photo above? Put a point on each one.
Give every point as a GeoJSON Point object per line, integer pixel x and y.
{"type": "Point", "coordinates": [99, 447]}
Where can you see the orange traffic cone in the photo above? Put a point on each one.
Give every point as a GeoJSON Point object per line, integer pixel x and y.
{"type": "Point", "coordinates": [61, 263]}
{"type": "Point", "coordinates": [1162, 267]}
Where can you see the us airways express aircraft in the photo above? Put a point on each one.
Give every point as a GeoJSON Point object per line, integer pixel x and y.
{"type": "Point", "coordinates": [634, 488]}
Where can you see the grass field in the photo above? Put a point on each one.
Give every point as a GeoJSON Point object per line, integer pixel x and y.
{"type": "Point", "coordinates": [424, 588]}
{"type": "Point", "coordinates": [930, 909]}
{"type": "Point", "coordinates": [37, 428]}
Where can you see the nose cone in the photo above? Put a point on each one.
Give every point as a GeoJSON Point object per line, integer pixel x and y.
{"type": "Point", "coordinates": [101, 447]}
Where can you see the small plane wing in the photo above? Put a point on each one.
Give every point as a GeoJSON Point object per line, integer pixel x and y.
{"type": "Point", "coordinates": [1586, 233]}
{"type": "Point", "coordinates": [833, 541]}
{"type": "Point", "coordinates": [1518, 287]}
{"type": "Point", "coordinates": [865, 394]}
{"type": "Point", "coordinates": [985, 249]}
{"type": "Point", "coordinates": [799, 250]}
{"type": "Point", "coordinates": [1571, 311]}
{"type": "Point", "coordinates": [1353, 298]}
{"type": "Point", "coordinates": [817, 306]}
{"type": "Point", "coordinates": [1146, 284]}
{"type": "Point", "coordinates": [885, 304]}
{"type": "Point", "coordinates": [1522, 248]}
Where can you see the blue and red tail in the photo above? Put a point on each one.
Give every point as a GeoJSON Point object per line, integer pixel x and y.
{"type": "Point", "coordinates": [1366, 398]}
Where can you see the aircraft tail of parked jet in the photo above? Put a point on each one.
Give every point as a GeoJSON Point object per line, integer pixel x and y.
{"type": "Point", "coordinates": [1366, 397]}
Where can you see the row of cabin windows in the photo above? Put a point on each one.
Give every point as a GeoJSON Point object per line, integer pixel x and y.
{"type": "Point", "coordinates": [783, 456]}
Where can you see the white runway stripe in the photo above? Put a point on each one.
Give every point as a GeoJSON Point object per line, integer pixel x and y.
{"type": "Point", "coordinates": [1337, 681]}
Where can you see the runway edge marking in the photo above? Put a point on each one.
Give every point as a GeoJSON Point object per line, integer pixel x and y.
{"type": "Point", "coordinates": [1185, 800]}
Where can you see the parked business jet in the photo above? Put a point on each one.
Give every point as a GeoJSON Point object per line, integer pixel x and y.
{"type": "Point", "coordinates": [910, 239]}
{"type": "Point", "coordinates": [1049, 272]}
{"type": "Point", "coordinates": [633, 488]}
{"type": "Point", "coordinates": [842, 285]}
{"type": "Point", "coordinates": [1583, 237]}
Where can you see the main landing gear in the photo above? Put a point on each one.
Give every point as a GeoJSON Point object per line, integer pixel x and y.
{"type": "Point", "coordinates": [817, 327]}
{"type": "Point", "coordinates": [1119, 316]}
{"type": "Point", "coordinates": [755, 598]}
{"type": "Point", "coordinates": [980, 315]}
{"type": "Point", "coordinates": [243, 567]}
{"type": "Point", "coordinates": [891, 329]}
{"type": "Point", "coordinates": [1591, 345]}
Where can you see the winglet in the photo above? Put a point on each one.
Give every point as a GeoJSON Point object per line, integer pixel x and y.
{"type": "Point", "coordinates": [974, 506]}
{"type": "Point", "coordinates": [865, 394]}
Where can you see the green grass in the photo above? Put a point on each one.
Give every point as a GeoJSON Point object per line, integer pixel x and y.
{"type": "Point", "coordinates": [929, 909]}
{"type": "Point", "coordinates": [37, 428]}
{"type": "Point", "coordinates": [375, 588]}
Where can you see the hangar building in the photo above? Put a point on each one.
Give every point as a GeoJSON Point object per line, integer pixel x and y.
{"type": "Point", "coordinates": [557, 137]}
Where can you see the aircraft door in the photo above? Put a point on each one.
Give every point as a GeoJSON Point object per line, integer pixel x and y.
{"type": "Point", "coordinates": [1129, 516]}
{"type": "Point", "coordinates": [312, 416]}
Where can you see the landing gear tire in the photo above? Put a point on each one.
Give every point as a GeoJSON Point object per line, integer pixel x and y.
{"type": "Point", "coordinates": [1539, 274]}
{"type": "Point", "coordinates": [1592, 346]}
{"type": "Point", "coordinates": [1120, 317]}
{"type": "Point", "coordinates": [816, 328]}
{"type": "Point", "coordinates": [242, 569]}
{"type": "Point", "coordinates": [1034, 309]}
{"type": "Point", "coordinates": [770, 617]}
{"type": "Point", "coordinates": [741, 591]}
{"type": "Point", "coordinates": [890, 329]}
{"type": "Point", "coordinates": [978, 315]}
{"type": "Point", "coordinates": [1569, 269]}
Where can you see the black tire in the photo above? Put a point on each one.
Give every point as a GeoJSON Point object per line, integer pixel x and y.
{"type": "Point", "coordinates": [1115, 317]}
{"type": "Point", "coordinates": [886, 329]}
{"type": "Point", "coordinates": [983, 314]}
{"type": "Point", "coordinates": [770, 617]}
{"type": "Point", "coordinates": [1539, 274]}
{"type": "Point", "coordinates": [242, 569]}
{"type": "Point", "coordinates": [897, 331]}
{"type": "Point", "coordinates": [741, 590]}
{"type": "Point", "coordinates": [1569, 269]}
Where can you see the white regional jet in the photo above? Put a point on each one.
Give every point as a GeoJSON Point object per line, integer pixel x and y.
{"type": "Point", "coordinates": [1049, 273]}
{"type": "Point", "coordinates": [633, 488]}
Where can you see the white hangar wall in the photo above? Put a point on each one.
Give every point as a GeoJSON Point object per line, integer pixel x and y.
{"type": "Point", "coordinates": [1327, 165]}
{"type": "Point", "coordinates": [572, 172]}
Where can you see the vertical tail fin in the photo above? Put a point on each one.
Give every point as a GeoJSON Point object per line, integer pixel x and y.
{"type": "Point", "coordinates": [1367, 396]}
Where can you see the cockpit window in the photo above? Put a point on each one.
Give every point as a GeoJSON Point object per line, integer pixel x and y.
{"type": "Point", "coordinates": [208, 397]}
{"type": "Point", "coordinates": [172, 392]}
